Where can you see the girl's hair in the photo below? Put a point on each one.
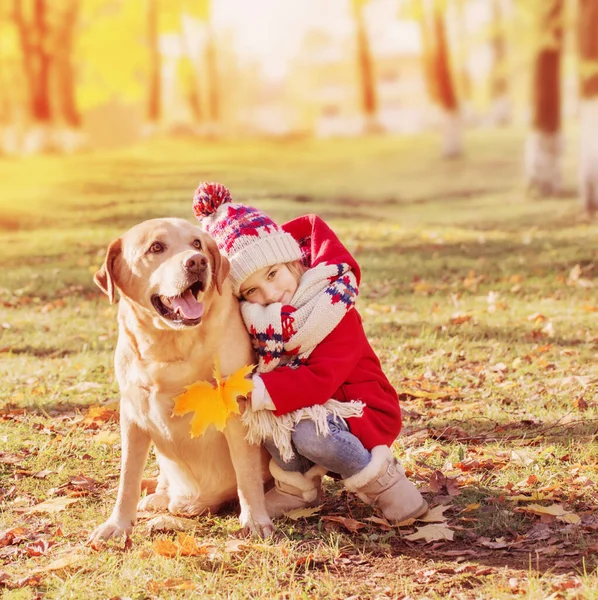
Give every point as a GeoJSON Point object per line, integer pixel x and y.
{"type": "Point", "coordinates": [297, 268]}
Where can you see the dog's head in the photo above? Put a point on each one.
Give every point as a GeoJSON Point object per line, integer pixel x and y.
{"type": "Point", "coordinates": [168, 267]}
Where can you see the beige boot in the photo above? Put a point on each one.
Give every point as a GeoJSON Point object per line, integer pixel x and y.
{"type": "Point", "coordinates": [294, 489]}
{"type": "Point", "coordinates": [383, 483]}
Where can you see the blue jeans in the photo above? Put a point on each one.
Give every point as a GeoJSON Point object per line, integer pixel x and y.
{"type": "Point", "coordinates": [339, 451]}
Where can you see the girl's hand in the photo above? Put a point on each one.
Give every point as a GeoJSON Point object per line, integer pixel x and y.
{"type": "Point", "coordinates": [244, 402]}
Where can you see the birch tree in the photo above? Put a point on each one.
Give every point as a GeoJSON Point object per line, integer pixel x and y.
{"type": "Point", "coordinates": [438, 73]}
{"type": "Point", "coordinates": [544, 143]}
{"type": "Point", "coordinates": [588, 88]}
{"type": "Point", "coordinates": [365, 68]}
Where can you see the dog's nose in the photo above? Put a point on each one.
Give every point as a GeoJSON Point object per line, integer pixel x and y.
{"type": "Point", "coordinates": [196, 263]}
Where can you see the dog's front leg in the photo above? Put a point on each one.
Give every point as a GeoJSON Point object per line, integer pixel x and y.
{"type": "Point", "coordinates": [246, 459]}
{"type": "Point", "coordinates": [135, 449]}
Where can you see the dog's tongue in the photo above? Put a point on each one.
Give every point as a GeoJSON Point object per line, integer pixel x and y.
{"type": "Point", "coordinates": [187, 305]}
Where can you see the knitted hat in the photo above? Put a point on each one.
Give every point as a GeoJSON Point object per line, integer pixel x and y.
{"type": "Point", "coordinates": [245, 235]}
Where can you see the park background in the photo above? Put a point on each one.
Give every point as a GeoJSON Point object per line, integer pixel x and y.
{"type": "Point", "coordinates": [452, 146]}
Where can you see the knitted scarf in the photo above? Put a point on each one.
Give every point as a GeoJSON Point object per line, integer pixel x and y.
{"type": "Point", "coordinates": [287, 335]}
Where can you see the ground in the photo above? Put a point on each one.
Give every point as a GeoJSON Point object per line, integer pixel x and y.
{"type": "Point", "coordinates": [480, 301]}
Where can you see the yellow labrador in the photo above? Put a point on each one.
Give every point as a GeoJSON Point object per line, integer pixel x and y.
{"type": "Point", "coordinates": [176, 313]}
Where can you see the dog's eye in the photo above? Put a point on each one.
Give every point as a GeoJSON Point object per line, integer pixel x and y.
{"type": "Point", "coordinates": [197, 244]}
{"type": "Point", "coordinates": [156, 248]}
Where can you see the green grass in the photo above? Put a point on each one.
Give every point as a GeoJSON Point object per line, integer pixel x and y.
{"type": "Point", "coordinates": [480, 302]}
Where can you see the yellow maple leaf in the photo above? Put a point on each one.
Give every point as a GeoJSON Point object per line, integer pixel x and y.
{"type": "Point", "coordinates": [213, 404]}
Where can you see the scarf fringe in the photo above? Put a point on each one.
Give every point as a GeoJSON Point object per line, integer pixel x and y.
{"type": "Point", "coordinates": [264, 424]}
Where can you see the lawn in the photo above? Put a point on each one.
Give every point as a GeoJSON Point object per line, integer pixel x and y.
{"type": "Point", "coordinates": [481, 303]}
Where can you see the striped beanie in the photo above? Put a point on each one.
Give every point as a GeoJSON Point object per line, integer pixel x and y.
{"type": "Point", "coordinates": [245, 235]}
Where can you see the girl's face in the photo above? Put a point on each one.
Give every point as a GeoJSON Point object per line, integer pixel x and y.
{"type": "Point", "coordinates": [269, 285]}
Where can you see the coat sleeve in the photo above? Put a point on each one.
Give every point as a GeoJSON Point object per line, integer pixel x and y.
{"type": "Point", "coordinates": [324, 372]}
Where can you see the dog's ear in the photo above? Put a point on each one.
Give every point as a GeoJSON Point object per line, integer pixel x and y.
{"type": "Point", "coordinates": [104, 278]}
{"type": "Point", "coordinates": [218, 263]}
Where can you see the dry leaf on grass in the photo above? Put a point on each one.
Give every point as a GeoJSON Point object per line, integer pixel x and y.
{"type": "Point", "coordinates": [522, 457]}
{"type": "Point", "coordinates": [53, 505]}
{"type": "Point", "coordinates": [302, 513]}
{"type": "Point", "coordinates": [431, 533]}
{"type": "Point", "coordinates": [350, 524]}
{"type": "Point", "coordinates": [176, 583]}
{"type": "Point", "coordinates": [436, 514]}
{"type": "Point", "coordinates": [185, 545]}
{"type": "Point", "coordinates": [64, 562]}
{"type": "Point", "coordinates": [107, 437]}
{"type": "Point", "coordinates": [554, 510]}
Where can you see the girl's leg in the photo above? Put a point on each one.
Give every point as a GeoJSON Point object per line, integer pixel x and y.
{"type": "Point", "coordinates": [297, 484]}
{"type": "Point", "coordinates": [340, 451]}
{"type": "Point", "coordinates": [297, 463]}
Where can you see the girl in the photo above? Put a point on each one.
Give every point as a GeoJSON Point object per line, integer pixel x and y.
{"type": "Point", "coordinates": [320, 401]}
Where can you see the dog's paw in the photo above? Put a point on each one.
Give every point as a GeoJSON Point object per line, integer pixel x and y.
{"type": "Point", "coordinates": [259, 527]}
{"type": "Point", "coordinates": [186, 506]}
{"type": "Point", "coordinates": [154, 502]}
{"type": "Point", "coordinates": [111, 529]}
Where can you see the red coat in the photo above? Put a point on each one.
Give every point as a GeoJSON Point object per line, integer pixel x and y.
{"type": "Point", "coordinates": [343, 366]}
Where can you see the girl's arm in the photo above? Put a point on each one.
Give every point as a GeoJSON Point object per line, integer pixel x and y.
{"type": "Point", "coordinates": [316, 381]}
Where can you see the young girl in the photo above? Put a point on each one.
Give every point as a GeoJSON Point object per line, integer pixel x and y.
{"type": "Point", "coordinates": [320, 401]}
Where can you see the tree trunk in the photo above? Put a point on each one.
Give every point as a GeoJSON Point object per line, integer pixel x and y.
{"type": "Point", "coordinates": [65, 71]}
{"type": "Point", "coordinates": [499, 85]}
{"type": "Point", "coordinates": [212, 67]}
{"type": "Point", "coordinates": [463, 76]}
{"type": "Point", "coordinates": [154, 92]}
{"type": "Point", "coordinates": [37, 60]}
{"type": "Point", "coordinates": [190, 77]}
{"type": "Point", "coordinates": [369, 101]}
{"type": "Point", "coordinates": [588, 87]}
{"type": "Point", "coordinates": [439, 70]}
{"type": "Point", "coordinates": [544, 145]}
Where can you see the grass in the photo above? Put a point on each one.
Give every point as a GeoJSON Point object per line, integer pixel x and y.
{"type": "Point", "coordinates": [480, 302]}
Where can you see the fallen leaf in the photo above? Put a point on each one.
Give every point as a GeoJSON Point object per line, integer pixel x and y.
{"type": "Point", "coordinates": [350, 524]}
{"type": "Point", "coordinates": [522, 457]}
{"type": "Point", "coordinates": [435, 515]}
{"type": "Point", "coordinates": [64, 562]}
{"type": "Point", "coordinates": [555, 510]}
{"type": "Point", "coordinates": [460, 318]}
{"type": "Point", "coordinates": [53, 505]}
{"type": "Point", "coordinates": [106, 437]}
{"type": "Point", "coordinates": [302, 513]}
{"type": "Point", "coordinates": [431, 533]}
{"type": "Point", "coordinates": [176, 583]}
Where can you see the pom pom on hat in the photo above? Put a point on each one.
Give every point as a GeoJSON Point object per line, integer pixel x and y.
{"type": "Point", "coordinates": [208, 197]}
{"type": "Point", "coordinates": [248, 237]}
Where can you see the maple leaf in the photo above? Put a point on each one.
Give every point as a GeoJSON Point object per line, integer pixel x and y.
{"type": "Point", "coordinates": [213, 404]}
{"type": "Point", "coordinates": [302, 513]}
{"type": "Point", "coordinates": [555, 510]}
{"type": "Point", "coordinates": [431, 533]}
{"type": "Point", "coordinates": [435, 515]}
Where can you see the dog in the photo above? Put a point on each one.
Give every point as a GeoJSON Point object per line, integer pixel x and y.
{"type": "Point", "coordinates": [176, 314]}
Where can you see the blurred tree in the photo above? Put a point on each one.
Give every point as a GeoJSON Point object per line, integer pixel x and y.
{"type": "Point", "coordinates": [544, 144]}
{"type": "Point", "coordinates": [64, 65]}
{"type": "Point", "coordinates": [438, 74]}
{"type": "Point", "coordinates": [31, 21]}
{"type": "Point", "coordinates": [46, 33]}
{"type": "Point", "coordinates": [499, 83]}
{"type": "Point", "coordinates": [365, 68]}
{"type": "Point", "coordinates": [154, 81]}
{"type": "Point", "coordinates": [464, 77]}
{"type": "Point", "coordinates": [588, 86]}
